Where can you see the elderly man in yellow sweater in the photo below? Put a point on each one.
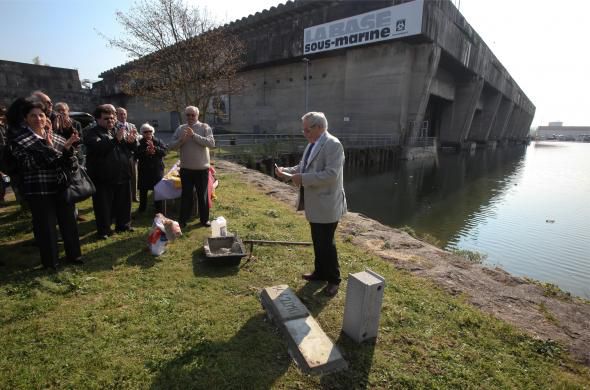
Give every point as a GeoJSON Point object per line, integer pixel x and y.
{"type": "Point", "coordinates": [193, 139]}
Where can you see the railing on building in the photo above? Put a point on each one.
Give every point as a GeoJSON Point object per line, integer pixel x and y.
{"type": "Point", "coordinates": [276, 144]}
{"type": "Point", "coordinates": [416, 142]}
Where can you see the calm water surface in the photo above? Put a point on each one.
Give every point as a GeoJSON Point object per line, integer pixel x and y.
{"type": "Point", "coordinates": [526, 208]}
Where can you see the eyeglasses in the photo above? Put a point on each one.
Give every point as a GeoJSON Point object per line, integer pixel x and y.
{"type": "Point", "coordinates": [147, 131]}
{"type": "Point", "coordinates": [307, 129]}
{"type": "Point", "coordinates": [191, 114]}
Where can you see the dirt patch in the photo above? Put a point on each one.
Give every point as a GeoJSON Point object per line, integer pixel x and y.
{"type": "Point", "coordinates": [512, 299]}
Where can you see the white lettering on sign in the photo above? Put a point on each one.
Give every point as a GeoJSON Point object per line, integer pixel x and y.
{"type": "Point", "coordinates": [383, 24]}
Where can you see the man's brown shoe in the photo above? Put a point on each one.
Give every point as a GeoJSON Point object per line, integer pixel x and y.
{"type": "Point", "coordinates": [310, 277]}
{"type": "Point", "coordinates": [331, 290]}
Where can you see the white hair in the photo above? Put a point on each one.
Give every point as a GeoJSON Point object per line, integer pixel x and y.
{"type": "Point", "coordinates": [317, 119]}
{"type": "Point", "coordinates": [61, 104]}
{"type": "Point", "coordinates": [192, 108]}
{"type": "Point", "coordinates": [147, 126]}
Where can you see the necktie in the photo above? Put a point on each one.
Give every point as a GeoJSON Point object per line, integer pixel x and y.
{"type": "Point", "coordinates": [306, 157]}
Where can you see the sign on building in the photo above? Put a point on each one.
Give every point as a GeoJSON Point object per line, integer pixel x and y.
{"type": "Point", "coordinates": [384, 24]}
{"type": "Point", "coordinates": [218, 110]}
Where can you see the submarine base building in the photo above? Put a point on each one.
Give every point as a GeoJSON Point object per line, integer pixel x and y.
{"type": "Point", "coordinates": [409, 70]}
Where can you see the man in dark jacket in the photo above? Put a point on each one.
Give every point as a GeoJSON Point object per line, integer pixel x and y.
{"type": "Point", "coordinates": [107, 160]}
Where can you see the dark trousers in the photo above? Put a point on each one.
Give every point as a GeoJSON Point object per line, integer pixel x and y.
{"type": "Point", "coordinates": [112, 201]}
{"type": "Point", "coordinates": [143, 201]}
{"type": "Point", "coordinates": [197, 179]}
{"type": "Point", "coordinates": [324, 248]}
{"type": "Point", "coordinates": [133, 163]}
{"type": "Point", "coordinates": [47, 211]}
{"type": "Point", "coordinates": [3, 187]}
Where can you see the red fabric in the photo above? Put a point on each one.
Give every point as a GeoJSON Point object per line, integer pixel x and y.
{"type": "Point", "coordinates": [210, 188]}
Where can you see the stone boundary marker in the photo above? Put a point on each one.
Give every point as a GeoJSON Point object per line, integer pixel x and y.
{"type": "Point", "coordinates": [364, 297]}
{"type": "Point", "coordinates": [308, 345]}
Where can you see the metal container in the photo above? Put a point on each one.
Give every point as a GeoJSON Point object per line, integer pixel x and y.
{"type": "Point", "coordinates": [227, 250]}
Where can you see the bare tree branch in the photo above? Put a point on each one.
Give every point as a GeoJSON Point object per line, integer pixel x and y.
{"type": "Point", "coordinates": [180, 58]}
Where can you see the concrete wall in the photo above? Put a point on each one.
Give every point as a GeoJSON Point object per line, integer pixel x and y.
{"type": "Point", "coordinates": [19, 80]}
{"type": "Point", "coordinates": [447, 75]}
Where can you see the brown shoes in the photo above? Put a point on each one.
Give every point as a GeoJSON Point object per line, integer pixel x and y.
{"type": "Point", "coordinates": [331, 290]}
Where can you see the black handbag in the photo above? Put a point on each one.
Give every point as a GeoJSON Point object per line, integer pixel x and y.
{"type": "Point", "coordinates": [79, 188]}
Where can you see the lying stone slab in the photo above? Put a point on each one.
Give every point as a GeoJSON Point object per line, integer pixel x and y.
{"type": "Point", "coordinates": [282, 304]}
{"type": "Point", "coordinates": [310, 347]}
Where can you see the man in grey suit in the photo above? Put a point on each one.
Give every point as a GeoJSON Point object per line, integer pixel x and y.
{"type": "Point", "coordinates": [321, 195]}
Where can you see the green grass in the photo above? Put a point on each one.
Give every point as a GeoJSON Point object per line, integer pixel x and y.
{"type": "Point", "coordinates": [127, 319]}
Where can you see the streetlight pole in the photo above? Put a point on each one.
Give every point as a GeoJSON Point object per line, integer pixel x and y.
{"type": "Point", "coordinates": [307, 62]}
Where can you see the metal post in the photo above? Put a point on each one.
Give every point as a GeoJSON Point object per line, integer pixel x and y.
{"type": "Point", "coordinates": [306, 60]}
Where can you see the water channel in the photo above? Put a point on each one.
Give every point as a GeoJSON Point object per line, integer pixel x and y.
{"type": "Point", "coordinates": [526, 208]}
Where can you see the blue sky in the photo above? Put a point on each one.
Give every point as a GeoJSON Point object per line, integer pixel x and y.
{"type": "Point", "coordinates": [542, 43]}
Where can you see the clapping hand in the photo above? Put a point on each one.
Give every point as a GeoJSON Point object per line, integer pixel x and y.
{"type": "Point", "coordinates": [150, 147]}
{"type": "Point", "coordinates": [131, 136]}
{"type": "Point", "coordinates": [120, 133]}
{"type": "Point", "coordinates": [188, 133]}
{"type": "Point", "coordinates": [75, 137]}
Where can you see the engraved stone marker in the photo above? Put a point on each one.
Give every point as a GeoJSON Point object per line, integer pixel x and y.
{"type": "Point", "coordinates": [283, 304]}
{"type": "Point", "coordinates": [310, 347]}
{"type": "Point", "coordinates": [364, 296]}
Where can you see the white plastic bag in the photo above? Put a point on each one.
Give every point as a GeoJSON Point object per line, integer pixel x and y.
{"type": "Point", "coordinates": [163, 231]}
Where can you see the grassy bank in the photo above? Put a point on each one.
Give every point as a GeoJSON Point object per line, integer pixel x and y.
{"type": "Point", "coordinates": [129, 320]}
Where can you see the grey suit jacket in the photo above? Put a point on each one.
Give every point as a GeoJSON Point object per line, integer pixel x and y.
{"type": "Point", "coordinates": [324, 199]}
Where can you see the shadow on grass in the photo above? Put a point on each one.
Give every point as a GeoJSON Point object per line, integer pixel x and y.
{"type": "Point", "coordinates": [203, 267]}
{"type": "Point", "coordinates": [22, 261]}
{"type": "Point", "coordinates": [254, 358]}
{"type": "Point", "coordinates": [360, 360]}
{"type": "Point", "coordinates": [15, 221]}
{"type": "Point", "coordinates": [312, 297]}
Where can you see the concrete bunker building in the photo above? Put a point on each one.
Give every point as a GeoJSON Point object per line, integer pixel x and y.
{"type": "Point", "coordinates": [19, 79]}
{"type": "Point", "coordinates": [409, 69]}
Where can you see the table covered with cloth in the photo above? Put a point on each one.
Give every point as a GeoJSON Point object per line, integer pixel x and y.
{"type": "Point", "coordinates": [170, 186]}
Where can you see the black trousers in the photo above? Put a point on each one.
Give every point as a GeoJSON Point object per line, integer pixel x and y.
{"type": "Point", "coordinates": [112, 201]}
{"type": "Point", "coordinates": [47, 211]}
{"type": "Point", "coordinates": [197, 179]}
{"type": "Point", "coordinates": [324, 248]}
{"type": "Point", "coordinates": [143, 201]}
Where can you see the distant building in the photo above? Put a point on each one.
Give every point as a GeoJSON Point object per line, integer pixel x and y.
{"type": "Point", "coordinates": [557, 131]}
{"type": "Point", "coordinates": [18, 79]}
{"type": "Point", "coordinates": [409, 69]}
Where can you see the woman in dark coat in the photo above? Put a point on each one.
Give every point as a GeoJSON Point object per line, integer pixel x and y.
{"type": "Point", "coordinates": [150, 156]}
{"type": "Point", "coordinates": [41, 153]}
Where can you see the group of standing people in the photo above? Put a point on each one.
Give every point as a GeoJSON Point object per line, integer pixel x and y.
{"type": "Point", "coordinates": [40, 143]}
{"type": "Point", "coordinates": [43, 141]}
{"type": "Point", "coordinates": [39, 153]}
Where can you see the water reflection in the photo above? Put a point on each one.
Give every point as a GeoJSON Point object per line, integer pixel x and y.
{"type": "Point", "coordinates": [526, 209]}
{"type": "Point", "coordinates": [438, 196]}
